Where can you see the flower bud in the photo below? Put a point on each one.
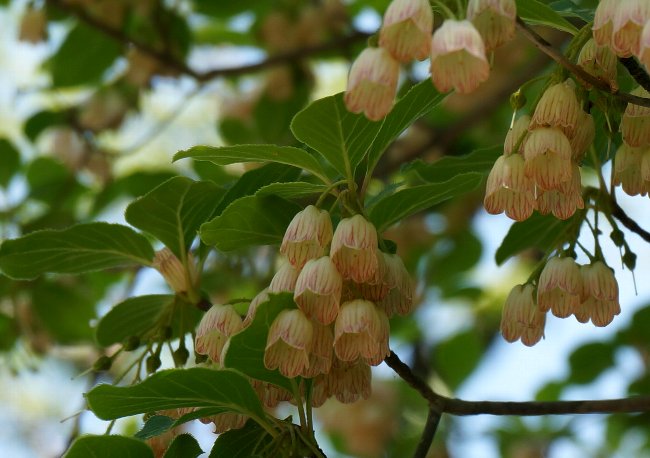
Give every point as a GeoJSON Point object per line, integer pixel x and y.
{"type": "Point", "coordinates": [560, 287]}
{"type": "Point", "coordinates": [216, 326]}
{"type": "Point", "coordinates": [318, 290]}
{"type": "Point", "coordinates": [514, 136]}
{"type": "Point", "coordinates": [458, 57]}
{"type": "Point", "coordinates": [406, 31]}
{"type": "Point", "coordinates": [548, 158]}
{"type": "Point", "coordinates": [357, 331]}
{"type": "Point", "coordinates": [284, 280]}
{"type": "Point", "coordinates": [354, 249]}
{"type": "Point", "coordinates": [307, 236]}
{"type": "Point", "coordinates": [521, 318]}
{"type": "Point", "coordinates": [558, 107]}
{"type": "Point", "coordinates": [372, 83]}
{"type": "Point", "coordinates": [494, 19]}
{"type": "Point", "coordinates": [261, 297]}
{"type": "Point", "coordinates": [635, 124]}
{"type": "Point", "coordinates": [173, 271]}
{"type": "Point", "coordinates": [599, 295]}
{"type": "Point", "coordinates": [289, 343]}
{"type": "Point", "coordinates": [509, 189]}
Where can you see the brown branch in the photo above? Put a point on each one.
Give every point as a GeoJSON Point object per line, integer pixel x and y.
{"type": "Point", "coordinates": [619, 214]}
{"type": "Point", "coordinates": [429, 432]}
{"type": "Point", "coordinates": [582, 75]}
{"type": "Point", "coordinates": [171, 61]}
{"type": "Point", "coordinates": [442, 404]}
{"type": "Point", "coordinates": [636, 71]}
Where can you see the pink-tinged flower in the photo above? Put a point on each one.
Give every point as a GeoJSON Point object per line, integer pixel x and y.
{"type": "Point", "coordinates": [226, 421]}
{"type": "Point", "coordinates": [261, 297]}
{"type": "Point", "coordinates": [383, 348]}
{"type": "Point", "coordinates": [400, 296]}
{"type": "Point", "coordinates": [377, 287]}
{"type": "Point", "coordinates": [599, 295]}
{"type": "Point", "coordinates": [564, 201]}
{"type": "Point", "coordinates": [216, 326]}
{"type": "Point", "coordinates": [284, 280]}
{"type": "Point", "coordinates": [619, 23]}
{"type": "Point", "coordinates": [509, 189]}
{"type": "Point", "coordinates": [458, 57]}
{"type": "Point", "coordinates": [548, 158]}
{"type": "Point", "coordinates": [289, 343]}
{"type": "Point", "coordinates": [560, 287]}
{"type": "Point", "coordinates": [583, 138]}
{"type": "Point", "coordinates": [357, 331]}
{"type": "Point", "coordinates": [349, 381]}
{"type": "Point", "coordinates": [629, 170]}
{"type": "Point", "coordinates": [644, 46]}
{"type": "Point", "coordinates": [318, 290]}
{"type": "Point", "coordinates": [558, 107]}
{"type": "Point", "coordinates": [516, 136]}
{"type": "Point", "coordinates": [521, 318]}
{"type": "Point", "coordinates": [270, 395]}
{"type": "Point", "coordinates": [406, 31]}
{"type": "Point", "coordinates": [635, 124]}
{"type": "Point", "coordinates": [600, 62]}
{"type": "Point", "coordinates": [372, 83]}
{"type": "Point", "coordinates": [308, 234]}
{"type": "Point", "coordinates": [320, 356]}
{"type": "Point", "coordinates": [173, 271]}
{"type": "Point", "coordinates": [354, 249]}
{"type": "Point", "coordinates": [494, 19]}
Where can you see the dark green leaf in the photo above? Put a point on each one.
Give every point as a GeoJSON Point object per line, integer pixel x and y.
{"type": "Point", "coordinates": [51, 181]}
{"type": "Point", "coordinates": [456, 358]}
{"type": "Point", "coordinates": [480, 161]}
{"type": "Point", "coordinates": [219, 390]}
{"type": "Point", "coordinates": [183, 446]}
{"type": "Point", "coordinates": [173, 211]}
{"type": "Point", "coordinates": [240, 443]}
{"type": "Point", "coordinates": [568, 8]}
{"type": "Point", "coordinates": [538, 231]}
{"type": "Point", "coordinates": [537, 13]}
{"type": "Point", "coordinates": [292, 190]}
{"type": "Point", "coordinates": [251, 220]}
{"type": "Point", "coordinates": [590, 360]}
{"type": "Point", "coordinates": [81, 248]}
{"type": "Point", "coordinates": [246, 349]}
{"type": "Point", "coordinates": [155, 426]}
{"type": "Point", "coordinates": [42, 120]}
{"type": "Point", "coordinates": [255, 153]}
{"type": "Point", "coordinates": [273, 115]}
{"type": "Point", "coordinates": [133, 317]}
{"type": "Point", "coordinates": [409, 201]}
{"type": "Point", "coordinates": [9, 332]}
{"type": "Point", "coordinates": [10, 160]}
{"type": "Point", "coordinates": [108, 447]}
{"type": "Point", "coordinates": [83, 57]}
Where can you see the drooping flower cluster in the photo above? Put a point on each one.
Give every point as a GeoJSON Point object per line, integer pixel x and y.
{"type": "Point", "coordinates": [457, 51]}
{"type": "Point", "coordinates": [590, 292]}
{"type": "Point", "coordinates": [539, 168]}
{"type": "Point", "coordinates": [624, 27]}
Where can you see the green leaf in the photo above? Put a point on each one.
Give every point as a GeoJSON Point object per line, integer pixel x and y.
{"type": "Point", "coordinates": [338, 135]}
{"type": "Point", "coordinates": [81, 248]}
{"type": "Point", "coordinates": [246, 350]}
{"type": "Point", "coordinates": [225, 155]}
{"type": "Point", "coordinates": [9, 332]}
{"type": "Point", "coordinates": [51, 181]}
{"type": "Point", "coordinates": [208, 389]}
{"type": "Point", "coordinates": [134, 185]}
{"type": "Point", "coordinates": [292, 190]}
{"type": "Point", "coordinates": [173, 211]}
{"type": "Point", "coordinates": [456, 358]}
{"type": "Point", "coordinates": [133, 317]}
{"type": "Point", "coordinates": [590, 360]}
{"type": "Point", "coordinates": [537, 231]}
{"type": "Point", "coordinates": [240, 443]}
{"type": "Point", "coordinates": [568, 8]}
{"type": "Point", "coordinates": [40, 121]}
{"type": "Point", "coordinates": [183, 446]}
{"type": "Point", "coordinates": [251, 220]}
{"type": "Point", "coordinates": [84, 56]}
{"type": "Point", "coordinates": [10, 160]}
{"type": "Point", "coordinates": [155, 426]}
{"type": "Point", "coordinates": [480, 161]}
{"type": "Point", "coordinates": [409, 201]}
{"type": "Point", "coordinates": [108, 447]}
{"type": "Point", "coordinates": [537, 13]}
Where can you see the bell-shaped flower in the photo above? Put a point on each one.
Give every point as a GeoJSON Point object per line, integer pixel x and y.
{"type": "Point", "coordinates": [635, 123]}
{"type": "Point", "coordinates": [354, 249]}
{"type": "Point", "coordinates": [357, 331]}
{"type": "Point", "coordinates": [308, 234]}
{"type": "Point", "coordinates": [261, 297]}
{"type": "Point", "coordinates": [318, 290]}
{"type": "Point", "coordinates": [400, 295]}
{"type": "Point", "coordinates": [383, 348]}
{"type": "Point", "coordinates": [548, 158]}
{"type": "Point", "coordinates": [558, 107]}
{"type": "Point", "coordinates": [583, 137]}
{"type": "Point", "coordinates": [599, 295]}
{"type": "Point", "coordinates": [521, 318]}
{"type": "Point", "coordinates": [619, 23]}
{"type": "Point", "coordinates": [560, 287]}
{"type": "Point", "coordinates": [509, 189]}
{"type": "Point", "coordinates": [172, 270]}
{"type": "Point", "coordinates": [372, 83]}
{"type": "Point", "coordinates": [599, 61]}
{"type": "Point", "coordinates": [349, 381]}
{"type": "Point", "coordinates": [516, 136]}
{"type": "Point", "coordinates": [629, 170]}
{"type": "Point", "coordinates": [321, 353]}
{"type": "Point", "coordinates": [494, 19]}
{"type": "Point", "coordinates": [217, 325]}
{"type": "Point", "coordinates": [406, 30]}
{"type": "Point", "coordinates": [284, 280]}
{"type": "Point", "coordinates": [458, 57]}
{"type": "Point", "coordinates": [289, 343]}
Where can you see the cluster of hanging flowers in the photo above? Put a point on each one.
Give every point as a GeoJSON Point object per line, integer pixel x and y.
{"type": "Point", "coordinates": [457, 51]}
{"type": "Point", "coordinates": [345, 290]}
{"type": "Point", "coordinates": [589, 292]}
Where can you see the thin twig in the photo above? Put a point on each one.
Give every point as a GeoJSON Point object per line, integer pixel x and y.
{"type": "Point", "coordinates": [619, 214]}
{"type": "Point", "coordinates": [583, 75]}
{"type": "Point", "coordinates": [636, 71]}
{"type": "Point", "coordinates": [171, 61]}
{"type": "Point", "coordinates": [428, 433]}
{"type": "Point", "coordinates": [461, 407]}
